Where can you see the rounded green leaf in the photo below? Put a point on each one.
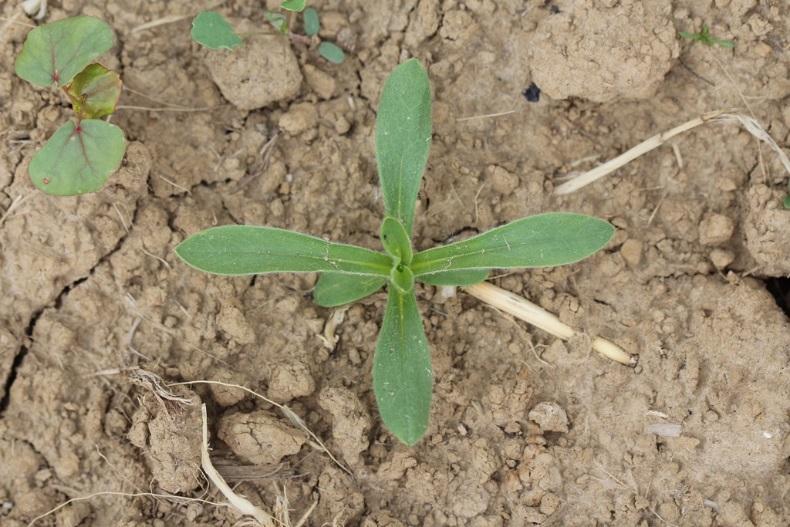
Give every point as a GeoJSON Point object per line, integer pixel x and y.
{"type": "Point", "coordinates": [94, 92]}
{"type": "Point", "coordinates": [297, 6]}
{"type": "Point", "coordinates": [331, 52]}
{"type": "Point", "coordinates": [58, 51]}
{"type": "Point", "coordinates": [312, 24]}
{"type": "Point", "coordinates": [78, 158]}
{"type": "Point", "coordinates": [212, 30]}
{"type": "Point", "coordinates": [786, 202]}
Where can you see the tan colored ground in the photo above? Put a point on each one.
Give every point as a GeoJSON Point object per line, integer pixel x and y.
{"type": "Point", "coordinates": [91, 284]}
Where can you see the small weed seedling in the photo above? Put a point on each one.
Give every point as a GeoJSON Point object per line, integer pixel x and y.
{"type": "Point", "coordinates": [402, 375]}
{"type": "Point", "coordinates": [210, 29]}
{"type": "Point", "coordinates": [81, 154]}
{"type": "Point", "coordinates": [706, 38]}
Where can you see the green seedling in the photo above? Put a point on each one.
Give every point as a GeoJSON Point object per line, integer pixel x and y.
{"type": "Point", "coordinates": [704, 37]}
{"type": "Point", "coordinates": [402, 375]}
{"type": "Point", "coordinates": [210, 29]}
{"type": "Point", "coordinates": [84, 152]}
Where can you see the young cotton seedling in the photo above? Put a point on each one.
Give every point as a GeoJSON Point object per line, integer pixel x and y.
{"type": "Point", "coordinates": [81, 154]}
{"type": "Point", "coordinates": [402, 375]}
{"type": "Point", "coordinates": [210, 29]}
{"type": "Point", "coordinates": [704, 37]}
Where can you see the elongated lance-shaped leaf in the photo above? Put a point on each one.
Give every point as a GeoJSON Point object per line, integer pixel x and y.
{"type": "Point", "coordinates": [543, 240]}
{"type": "Point", "coordinates": [403, 138]}
{"type": "Point", "coordinates": [395, 240]}
{"type": "Point", "coordinates": [335, 289]}
{"type": "Point", "coordinates": [402, 375]}
{"type": "Point", "coordinates": [458, 278]}
{"type": "Point", "coordinates": [247, 249]}
{"type": "Point", "coordinates": [58, 51]}
{"type": "Point", "coordinates": [78, 158]}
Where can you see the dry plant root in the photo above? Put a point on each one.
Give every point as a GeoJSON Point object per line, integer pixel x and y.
{"type": "Point", "coordinates": [750, 124]}
{"type": "Point", "coordinates": [537, 316]}
{"type": "Point", "coordinates": [240, 503]}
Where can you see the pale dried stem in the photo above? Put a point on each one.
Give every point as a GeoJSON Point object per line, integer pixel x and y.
{"type": "Point", "coordinates": [629, 155]}
{"type": "Point", "coordinates": [749, 123]}
{"type": "Point", "coordinates": [240, 503]}
{"type": "Point", "coordinates": [537, 316]}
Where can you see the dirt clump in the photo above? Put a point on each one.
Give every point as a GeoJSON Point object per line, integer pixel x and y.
{"type": "Point", "coordinates": [262, 71]}
{"type": "Point", "coordinates": [168, 432]}
{"type": "Point", "coordinates": [550, 417]}
{"type": "Point", "coordinates": [259, 437]}
{"type": "Point", "coordinates": [604, 53]}
{"type": "Point", "coordinates": [715, 229]}
{"type": "Point", "coordinates": [350, 421]}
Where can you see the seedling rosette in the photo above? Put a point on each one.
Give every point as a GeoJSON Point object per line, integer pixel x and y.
{"type": "Point", "coordinates": [402, 374]}
{"type": "Point", "coordinates": [82, 154]}
{"type": "Point", "coordinates": [213, 31]}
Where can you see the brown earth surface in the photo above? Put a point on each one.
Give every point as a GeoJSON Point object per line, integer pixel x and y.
{"type": "Point", "coordinates": [525, 429]}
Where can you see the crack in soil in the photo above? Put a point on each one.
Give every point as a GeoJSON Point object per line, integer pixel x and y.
{"type": "Point", "coordinates": [56, 304]}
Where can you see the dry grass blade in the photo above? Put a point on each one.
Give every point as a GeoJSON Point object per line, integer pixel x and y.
{"type": "Point", "coordinates": [629, 155]}
{"type": "Point", "coordinates": [125, 495]}
{"type": "Point", "coordinates": [750, 124]}
{"type": "Point", "coordinates": [753, 127]}
{"type": "Point", "coordinates": [537, 316]}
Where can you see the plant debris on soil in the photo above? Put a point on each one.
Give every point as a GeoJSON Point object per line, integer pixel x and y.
{"type": "Point", "coordinates": [525, 429]}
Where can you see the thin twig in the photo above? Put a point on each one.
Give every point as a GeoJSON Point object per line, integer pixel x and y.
{"type": "Point", "coordinates": [14, 204]}
{"type": "Point", "coordinates": [166, 109]}
{"type": "Point", "coordinates": [126, 495]}
{"type": "Point", "coordinates": [484, 116]}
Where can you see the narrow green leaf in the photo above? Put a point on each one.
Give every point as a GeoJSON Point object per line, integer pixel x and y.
{"type": "Point", "coordinates": [331, 52]}
{"type": "Point", "coordinates": [544, 240]}
{"type": "Point", "coordinates": [403, 138]}
{"type": "Point", "coordinates": [247, 249]}
{"type": "Point", "coordinates": [334, 289]}
{"type": "Point", "coordinates": [312, 24]}
{"type": "Point", "coordinates": [402, 278]}
{"type": "Point", "coordinates": [78, 158]}
{"type": "Point", "coordinates": [212, 30]}
{"type": "Point", "coordinates": [459, 278]}
{"type": "Point", "coordinates": [278, 20]}
{"type": "Point", "coordinates": [94, 92]}
{"type": "Point", "coordinates": [58, 51]}
{"type": "Point", "coordinates": [395, 240]}
{"type": "Point", "coordinates": [402, 375]}
{"type": "Point", "coordinates": [297, 6]}
{"type": "Point", "coordinates": [724, 43]}
{"type": "Point", "coordinates": [786, 202]}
